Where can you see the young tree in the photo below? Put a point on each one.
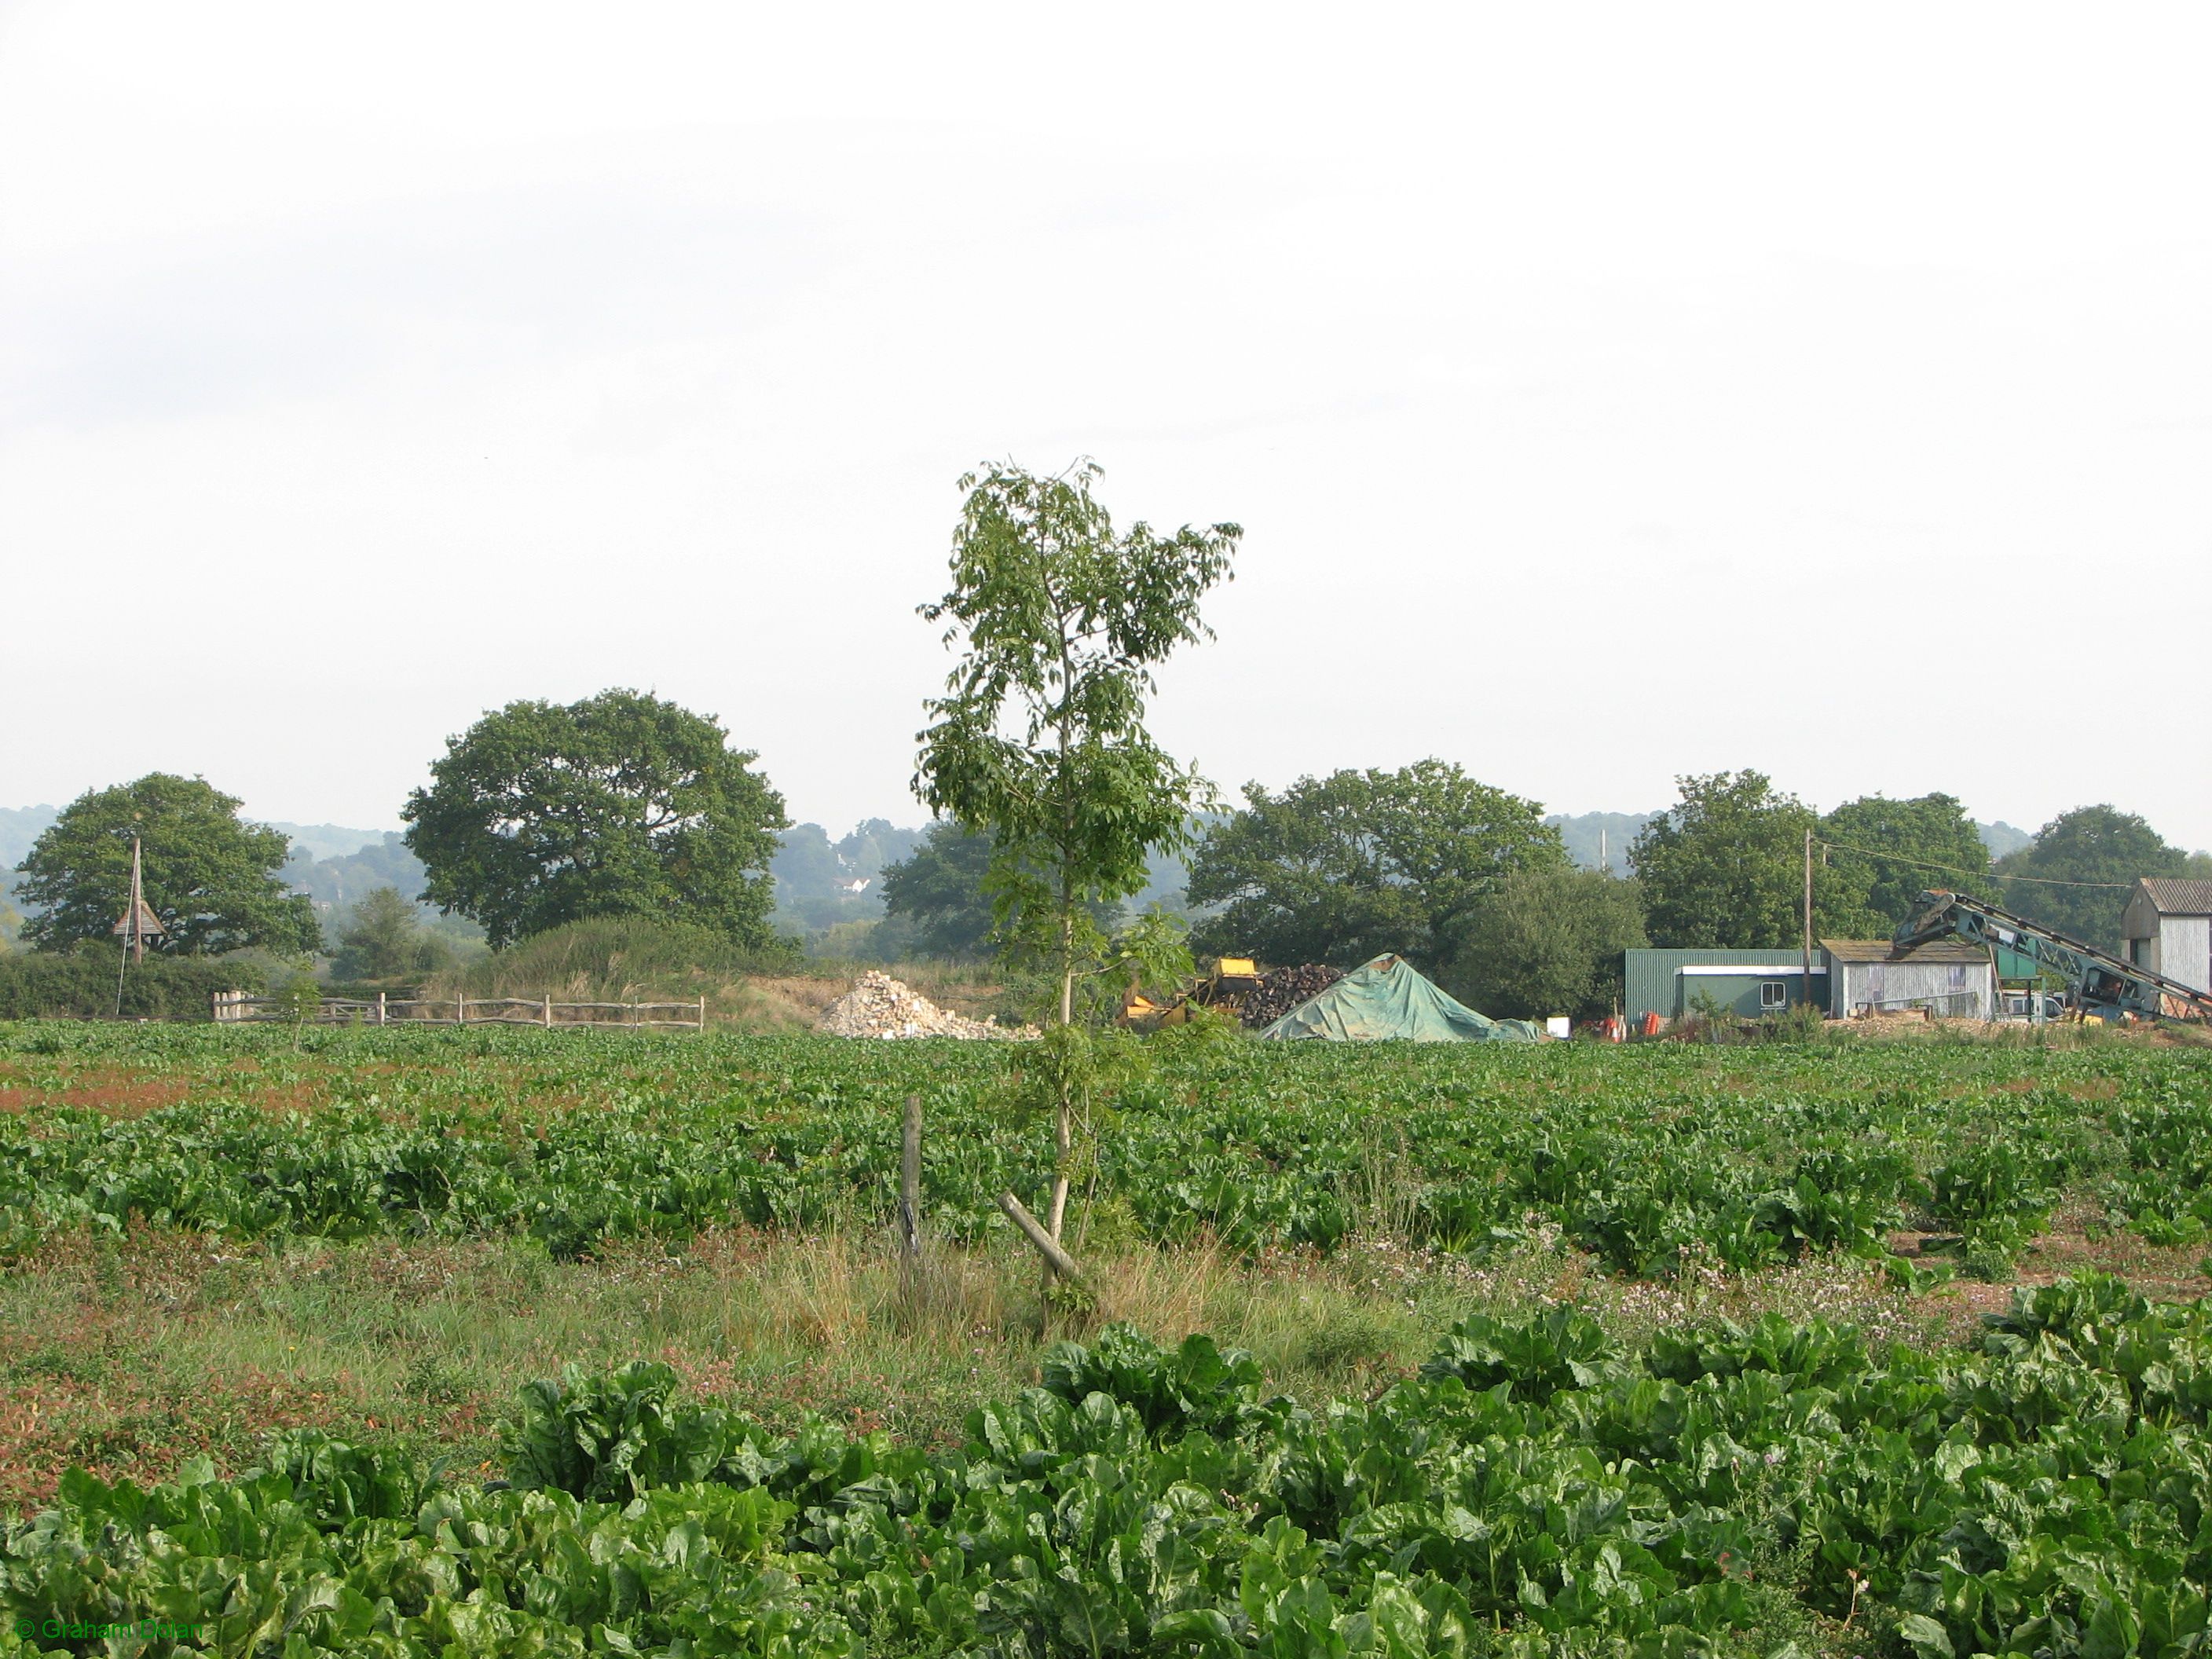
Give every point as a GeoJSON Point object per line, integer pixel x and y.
{"type": "Point", "coordinates": [2090, 844]}
{"type": "Point", "coordinates": [382, 940]}
{"type": "Point", "coordinates": [211, 878]}
{"type": "Point", "coordinates": [1342, 868]}
{"type": "Point", "coordinates": [1039, 740]}
{"type": "Point", "coordinates": [619, 804]}
{"type": "Point", "coordinates": [1725, 866]}
{"type": "Point", "coordinates": [1548, 941]}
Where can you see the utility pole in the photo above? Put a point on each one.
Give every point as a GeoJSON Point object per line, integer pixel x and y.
{"type": "Point", "coordinates": [131, 930]}
{"type": "Point", "coordinates": [137, 898]}
{"type": "Point", "coordinates": [1809, 918]}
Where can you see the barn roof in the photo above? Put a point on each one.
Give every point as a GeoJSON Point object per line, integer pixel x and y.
{"type": "Point", "coordinates": [2178, 895]}
{"type": "Point", "coordinates": [1881, 950]}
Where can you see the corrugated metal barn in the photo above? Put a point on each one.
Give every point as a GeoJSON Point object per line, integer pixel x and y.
{"type": "Point", "coordinates": [1669, 983]}
{"type": "Point", "coordinates": [1948, 977]}
{"type": "Point", "coordinates": [2169, 928]}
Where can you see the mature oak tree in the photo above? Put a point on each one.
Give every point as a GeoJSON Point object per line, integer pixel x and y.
{"type": "Point", "coordinates": [211, 878]}
{"type": "Point", "coordinates": [937, 891]}
{"type": "Point", "coordinates": [2090, 844]}
{"type": "Point", "coordinates": [1343, 868]}
{"type": "Point", "coordinates": [1909, 846]}
{"type": "Point", "coordinates": [621, 805]}
{"type": "Point", "coordinates": [1724, 866]}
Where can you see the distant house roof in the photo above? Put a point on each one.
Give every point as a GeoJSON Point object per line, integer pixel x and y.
{"type": "Point", "coordinates": [2178, 895]}
{"type": "Point", "coordinates": [1881, 950]}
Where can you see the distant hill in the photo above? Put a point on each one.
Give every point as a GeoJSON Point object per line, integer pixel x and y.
{"type": "Point", "coordinates": [338, 880]}
{"type": "Point", "coordinates": [19, 827]}
{"type": "Point", "coordinates": [2001, 838]}
{"type": "Point", "coordinates": [820, 883]}
{"type": "Point", "coordinates": [22, 825]}
{"type": "Point", "coordinates": [1585, 832]}
{"type": "Point", "coordinates": [330, 841]}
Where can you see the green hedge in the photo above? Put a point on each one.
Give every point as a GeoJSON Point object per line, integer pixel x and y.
{"type": "Point", "coordinates": [80, 984]}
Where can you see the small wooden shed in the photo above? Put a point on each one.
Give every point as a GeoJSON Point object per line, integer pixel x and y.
{"type": "Point", "coordinates": [1946, 977]}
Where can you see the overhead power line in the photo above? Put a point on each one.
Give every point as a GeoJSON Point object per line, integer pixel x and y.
{"type": "Point", "coordinates": [1976, 875]}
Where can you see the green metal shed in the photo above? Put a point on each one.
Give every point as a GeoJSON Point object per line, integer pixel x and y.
{"type": "Point", "coordinates": [1751, 982]}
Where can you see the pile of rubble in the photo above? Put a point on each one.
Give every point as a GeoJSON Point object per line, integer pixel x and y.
{"type": "Point", "coordinates": [879, 1006]}
{"type": "Point", "coordinates": [1282, 990]}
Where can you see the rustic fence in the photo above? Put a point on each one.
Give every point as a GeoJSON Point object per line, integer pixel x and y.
{"type": "Point", "coordinates": [237, 1007]}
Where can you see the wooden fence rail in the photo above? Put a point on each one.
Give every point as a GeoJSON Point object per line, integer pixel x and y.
{"type": "Point", "coordinates": [236, 1007]}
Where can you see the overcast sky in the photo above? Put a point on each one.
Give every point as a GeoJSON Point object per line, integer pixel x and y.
{"type": "Point", "coordinates": [1608, 393]}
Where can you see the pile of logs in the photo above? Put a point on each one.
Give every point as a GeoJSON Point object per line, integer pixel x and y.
{"type": "Point", "coordinates": [1283, 989]}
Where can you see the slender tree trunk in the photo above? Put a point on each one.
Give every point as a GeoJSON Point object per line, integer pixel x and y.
{"type": "Point", "coordinates": [1063, 1127]}
{"type": "Point", "coordinates": [1066, 961]}
{"type": "Point", "coordinates": [1063, 1145]}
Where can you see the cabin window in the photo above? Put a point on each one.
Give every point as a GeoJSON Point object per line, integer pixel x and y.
{"type": "Point", "coordinates": [1774, 993]}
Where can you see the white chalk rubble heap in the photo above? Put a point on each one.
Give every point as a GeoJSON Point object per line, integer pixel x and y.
{"type": "Point", "coordinates": [879, 1006]}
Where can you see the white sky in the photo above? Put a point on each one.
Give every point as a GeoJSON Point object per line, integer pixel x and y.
{"type": "Point", "coordinates": [1608, 393]}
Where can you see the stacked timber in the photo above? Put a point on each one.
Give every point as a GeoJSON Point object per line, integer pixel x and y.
{"type": "Point", "coordinates": [1283, 989]}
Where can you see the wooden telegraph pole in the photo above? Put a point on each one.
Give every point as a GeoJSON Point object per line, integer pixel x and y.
{"type": "Point", "coordinates": [1809, 918]}
{"type": "Point", "coordinates": [136, 926]}
{"type": "Point", "coordinates": [138, 905]}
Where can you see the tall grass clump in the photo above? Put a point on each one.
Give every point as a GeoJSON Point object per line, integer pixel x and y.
{"type": "Point", "coordinates": [616, 959]}
{"type": "Point", "coordinates": [775, 988]}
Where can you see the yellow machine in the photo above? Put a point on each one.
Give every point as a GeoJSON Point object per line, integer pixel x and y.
{"type": "Point", "coordinates": [1233, 979]}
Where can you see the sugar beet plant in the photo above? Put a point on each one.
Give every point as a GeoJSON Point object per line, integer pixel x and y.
{"type": "Point", "coordinates": [1643, 1157]}
{"type": "Point", "coordinates": [1536, 1491]}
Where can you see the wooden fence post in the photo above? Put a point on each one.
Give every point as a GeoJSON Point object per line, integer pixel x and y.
{"type": "Point", "coordinates": [548, 1011]}
{"type": "Point", "coordinates": [460, 1011]}
{"type": "Point", "coordinates": [911, 1180]}
{"type": "Point", "coordinates": [702, 1013]}
{"type": "Point", "coordinates": [381, 1017]}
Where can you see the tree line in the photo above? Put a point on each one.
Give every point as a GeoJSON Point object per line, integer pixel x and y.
{"type": "Point", "coordinates": [526, 826]}
{"type": "Point", "coordinates": [1469, 882]}
{"type": "Point", "coordinates": [1054, 795]}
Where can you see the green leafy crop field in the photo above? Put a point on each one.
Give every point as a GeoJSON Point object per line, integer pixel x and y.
{"type": "Point", "coordinates": [1535, 1490]}
{"type": "Point", "coordinates": [1873, 1472]}
{"type": "Point", "coordinates": [1646, 1156]}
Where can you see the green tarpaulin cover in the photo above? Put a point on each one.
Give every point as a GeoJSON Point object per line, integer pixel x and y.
{"type": "Point", "coordinates": [1389, 998]}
